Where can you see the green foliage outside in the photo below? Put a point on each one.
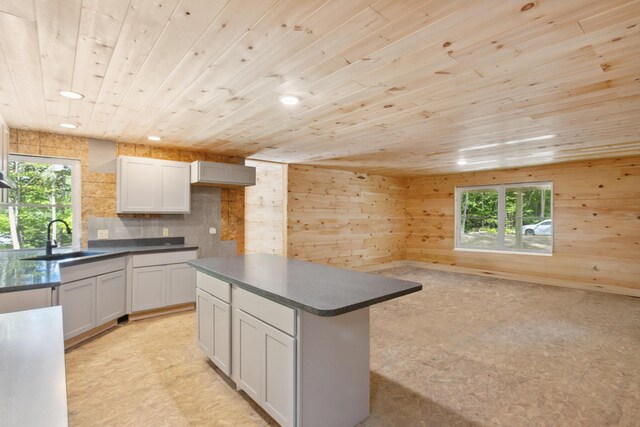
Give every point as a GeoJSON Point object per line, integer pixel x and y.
{"type": "Point", "coordinates": [43, 193]}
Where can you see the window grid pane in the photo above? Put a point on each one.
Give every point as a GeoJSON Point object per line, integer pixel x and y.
{"type": "Point", "coordinates": [511, 217]}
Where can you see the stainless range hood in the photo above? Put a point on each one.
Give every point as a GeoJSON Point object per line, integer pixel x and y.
{"type": "Point", "coordinates": [5, 182]}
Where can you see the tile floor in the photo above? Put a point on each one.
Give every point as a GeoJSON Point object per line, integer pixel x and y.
{"type": "Point", "coordinates": [466, 350]}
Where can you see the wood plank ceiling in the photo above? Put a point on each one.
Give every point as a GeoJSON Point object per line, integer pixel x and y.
{"type": "Point", "coordinates": [397, 87]}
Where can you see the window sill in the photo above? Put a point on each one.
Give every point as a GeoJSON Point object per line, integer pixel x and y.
{"type": "Point", "coordinates": [495, 251]}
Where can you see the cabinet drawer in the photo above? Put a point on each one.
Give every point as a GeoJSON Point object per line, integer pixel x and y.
{"type": "Point", "coordinates": [163, 258]}
{"type": "Point", "coordinates": [277, 315]}
{"type": "Point", "coordinates": [90, 269]}
{"type": "Point", "coordinates": [216, 287]}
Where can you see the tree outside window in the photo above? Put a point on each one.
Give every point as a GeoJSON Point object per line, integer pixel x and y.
{"type": "Point", "coordinates": [44, 191]}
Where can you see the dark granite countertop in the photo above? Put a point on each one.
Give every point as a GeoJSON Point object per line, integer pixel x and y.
{"type": "Point", "coordinates": [315, 288]}
{"type": "Point", "coordinates": [17, 274]}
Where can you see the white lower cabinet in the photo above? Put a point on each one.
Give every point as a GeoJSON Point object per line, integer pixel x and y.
{"type": "Point", "coordinates": [249, 337]}
{"type": "Point", "coordinates": [162, 280]}
{"type": "Point", "coordinates": [110, 296]}
{"type": "Point", "coordinates": [278, 383]}
{"type": "Point", "coordinates": [181, 284]}
{"type": "Point", "coordinates": [78, 301]}
{"type": "Point", "coordinates": [149, 288]}
{"type": "Point", "coordinates": [243, 334]}
{"type": "Point", "coordinates": [266, 366]}
{"type": "Point", "coordinates": [214, 329]}
{"type": "Point", "coordinates": [91, 302]}
{"type": "Point", "coordinates": [162, 286]}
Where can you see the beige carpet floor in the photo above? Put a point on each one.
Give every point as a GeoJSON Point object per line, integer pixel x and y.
{"type": "Point", "coordinates": [464, 351]}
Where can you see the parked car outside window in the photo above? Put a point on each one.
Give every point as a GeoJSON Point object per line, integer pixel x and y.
{"type": "Point", "coordinates": [542, 228]}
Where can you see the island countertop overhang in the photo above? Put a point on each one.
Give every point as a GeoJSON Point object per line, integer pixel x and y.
{"type": "Point", "coordinates": [317, 289]}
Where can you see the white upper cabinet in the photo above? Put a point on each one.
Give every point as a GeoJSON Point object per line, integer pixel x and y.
{"type": "Point", "coordinates": [222, 174]}
{"type": "Point", "coordinates": [152, 186]}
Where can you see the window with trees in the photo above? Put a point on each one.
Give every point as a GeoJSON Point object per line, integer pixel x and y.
{"type": "Point", "coordinates": [510, 218]}
{"type": "Point", "coordinates": [46, 189]}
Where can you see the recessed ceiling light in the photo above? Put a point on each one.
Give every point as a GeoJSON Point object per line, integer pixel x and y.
{"type": "Point", "coordinates": [71, 95]}
{"type": "Point", "coordinates": [462, 162]}
{"type": "Point", "coordinates": [289, 99]}
{"type": "Point", "coordinates": [153, 138]}
{"type": "Point", "coordinates": [543, 153]}
{"type": "Point", "coordinates": [482, 162]}
{"type": "Point", "coordinates": [68, 125]}
{"type": "Point", "coordinates": [535, 138]}
{"type": "Point", "coordinates": [479, 147]}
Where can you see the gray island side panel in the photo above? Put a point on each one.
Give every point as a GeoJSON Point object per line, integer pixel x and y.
{"type": "Point", "coordinates": [33, 388]}
{"type": "Point", "coordinates": [315, 288]}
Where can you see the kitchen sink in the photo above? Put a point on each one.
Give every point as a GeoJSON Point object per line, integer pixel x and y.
{"type": "Point", "coordinates": [68, 255]}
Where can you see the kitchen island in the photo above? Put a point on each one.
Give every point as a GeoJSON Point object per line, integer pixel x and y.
{"type": "Point", "coordinates": [293, 335]}
{"type": "Point", "coordinates": [33, 388]}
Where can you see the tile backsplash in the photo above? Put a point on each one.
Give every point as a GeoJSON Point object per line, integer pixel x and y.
{"type": "Point", "coordinates": [205, 213]}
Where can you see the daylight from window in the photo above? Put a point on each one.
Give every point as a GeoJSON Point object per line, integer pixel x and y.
{"type": "Point", "coordinates": [44, 192]}
{"type": "Point", "coordinates": [510, 218]}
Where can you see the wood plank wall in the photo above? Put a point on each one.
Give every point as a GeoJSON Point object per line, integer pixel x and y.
{"type": "Point", "coordinates": [345, 219]}
{"type": "Point", "coordinates": [99, 189]}
{"type": "Point", "coordinates": [596, 222]}
{"type": "Point", "coordinates": [265, 209]}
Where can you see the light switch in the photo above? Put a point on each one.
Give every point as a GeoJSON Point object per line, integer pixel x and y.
{"type": "Point", "coordinates": [165, 232]}
{"type": "Point", "coordinates": [212, 230]}
{"type": "Point", "coordinates": [103, 234]}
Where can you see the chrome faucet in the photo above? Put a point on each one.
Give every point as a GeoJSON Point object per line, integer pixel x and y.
{"type": "Point", "coordinates": [53, 243]}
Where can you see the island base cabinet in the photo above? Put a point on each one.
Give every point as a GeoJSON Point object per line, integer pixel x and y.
{"type": "Point", "coordinates": [78, 301]}
{"type": "Point", "coordinates": [248, 354]}
{"type": "Point", "coordinates": [333, 373]}
{"type": "Point", "coordinates": [265, 370]}
{"type": "Point", "coordinates": [278, 385]}
{"type": "Point", "coordinates": [214, 326]}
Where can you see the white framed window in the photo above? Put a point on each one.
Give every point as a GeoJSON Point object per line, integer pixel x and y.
{"type": "Point", "coordinates": [47, 188]}
{"type": "Point", "coordinates": [514, 218]}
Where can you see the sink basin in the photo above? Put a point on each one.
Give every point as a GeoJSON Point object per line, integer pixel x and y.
{"type": "Point", "coordinates": [56, 257]}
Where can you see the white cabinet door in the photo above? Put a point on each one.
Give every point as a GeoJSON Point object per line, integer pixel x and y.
{"type": "Point", "coordinates": [152, 186]}
{"type": "Point", "coordinates": [250, 354]}
{"type": "Point", "coordinates": [266, 366]}
{"type": "Point", "coordinates": [78, 301]}
{"type": "Point", "coordinates": [204, 313]}
{"type": "Point", "coordinates": [138, 185]}
{"type": "Point", "coordinates": [214, 329]}
{"type": "Point", "coordinates": [175, 188]}
{"type": "Point", "coordinates": [181, 284]}
{"type": "Point", "coordinates": [110, 297]}
{"type": "Point", "coordinates": [149, 288]}
{"type": "Point", "coordinates": [278, 392]}
{"type": "Point", "coordinates": [221, 351]}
